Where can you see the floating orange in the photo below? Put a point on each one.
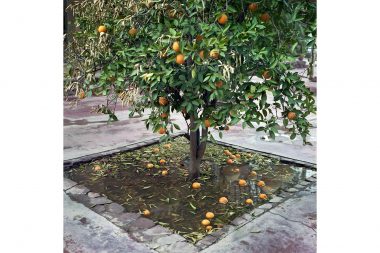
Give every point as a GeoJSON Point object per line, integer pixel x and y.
{"type": "Point", "coordinates": [97, 167]}
{"type": "Point", "coordinates": [242, 182]}
{"type": "Point", "coordinates": [210, 215]}
{"type": "Point", "coordinates": [232, 157]}
{"type": "Point", "coordinates": [164, 172]}
{"type": "Point", "coordinates": [263, 196]}
{"type": "Point", "coordinates": [249, 201]}
{"type": "Point", "coordinates": [102, 29]}
{"type": "Point", "coordinates": [253, 173]}
{"type": "Point", "coordinates": [238, 156]}
{"type": "Point", "coordinates": [149, 166]}
{"type": "Point", "coordinates": [162, 161]}
{"type": "Point", "coordinates": [168, 145]}
{"type": "Point", "coordinates": [205, 222]}
{"type": "Point", "coordinates": [208, 228]}
{"type": "Point", "coordinates": [156, 150]}
{"type": "Point", "coordinates": [223, 200]}
{"type": "Point", "coordinates": [196, 185]}
{"type": "Point", "coordinates": [261, 184]}
{"type": "Point", "coordinates": [146, 212]}
{"type": "Point", "coordinates": [227, 152]}
{"type": "Point", "coordinates": [230, 161]}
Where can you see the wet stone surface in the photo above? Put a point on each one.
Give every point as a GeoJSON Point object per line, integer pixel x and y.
{"type": "Point", "coordinates": [275, 199]}
{"type": "Point", "coordinates": [78, 189]}
{"type": "Point", "coordinates": [265, 206]}
{"type": "Point", "coordinates": [140, 224]}
{"type": "Point", "coordinates": [67, 184]}
{"type": "Point", "coordinates": [258, 211]}
{"type": "Point", "coordinates": [124, 177]}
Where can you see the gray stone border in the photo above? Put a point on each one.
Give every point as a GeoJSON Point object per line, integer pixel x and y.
{"type": "Point", "coordinates": [157, 237]}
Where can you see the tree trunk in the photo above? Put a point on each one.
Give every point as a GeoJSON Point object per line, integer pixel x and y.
{"type": "Point", "coordinates": [197, 149]}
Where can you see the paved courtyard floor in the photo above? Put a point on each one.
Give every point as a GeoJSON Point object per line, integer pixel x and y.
{"type": "Point", "coordinates": [289, 227]}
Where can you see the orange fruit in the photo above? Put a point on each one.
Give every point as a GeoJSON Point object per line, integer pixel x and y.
{"type": "Point", "coordinates": [266, 74]}
{"type": "Point", "coordinates": [261, 184]}
{"type": "Point", "coordinates": [219, 84]}
{"type": "Point", "coordinates": [132, 32]}
{"type": "Point", "coordinates": [161, 130]}
{"type": "Point", "coordinates": [97, 167]}
{"type": "Point", "coordinates": [156, 150]}
{"type": "Point", "coordinates": [265, 17]}
{"type": "Point", "coordinates": [180, 59]}
{"type": "Point", "coordinates": [263, 196]}
{"type": "Point", "coordinates": [146, 212]}
{"type": "Point", "coordinates": [238, 156]}
{"type": "Point", "coordinates": [242, 182]}
{"type": "Point", "coordinates": [102, 29]}
{"type": "Point", "coordinates": [81, 94]}
{"type": "Point", "coordinates": [168, 145]}
{"type": "Point", "coordinates": [202, 54]}
{"type": "Point", "coordinates": [235, 170]}
{"type": "Point", "coordinates": [223, 19]}
{"type": "Point", "coordinates": [253, 173]}
{"type": "Point", "coordinates": [149, 166]}
{"type": "Point", "coordinates": [223, 200]}
{"type": "Point", "coordinates": [214, 53]}
{"type": "Point", "coordinates": [196, 185]}
{"type": "Point", "coordinates": [249, 201]}
{"type": "Point", "coordinates": [208, 228]}
{"type": "Point", "coordinates": [205, 222]}
{"type": "Point", "coordinates": [163, 101]}
{"type": "Point", "coordinates": [253, 7]}
{"type": "Point", "coordinates": [199, 38]}
{"type": "Point", "coordinates": [162, 161]}
{"type": "Point", "coordinates": [232, 157]}
{"type": "Point", "coordinates": [292, 115]}
{"type": "Point", "coordinates": [164, 172]}
{"type": "Point", "coordinates": [207, 123]}
{"type": "Point", "coordinates": [164, 115]}
{"type": "Point", "coordinates": [227, 152]}
{"type": "Point", "coordinates": [176, 47]}
{"type": "Point", "coordinates": [210, 215]}
{"type": "Point", "coordinates": [230, 161]}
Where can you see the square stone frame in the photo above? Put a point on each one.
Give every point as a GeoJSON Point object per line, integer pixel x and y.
{"type": "Point", "coordinates": [146, 231]}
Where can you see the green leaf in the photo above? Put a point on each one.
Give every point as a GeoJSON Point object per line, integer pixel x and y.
{"type": "Point", "coordinates": [293, 136]}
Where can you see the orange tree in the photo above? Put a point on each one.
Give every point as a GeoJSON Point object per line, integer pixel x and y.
{"type": "Point", "coordinates": [197, 57]}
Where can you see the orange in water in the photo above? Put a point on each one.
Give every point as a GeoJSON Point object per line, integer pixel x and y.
{"type": "Point", "coordinates": [253, 173]}
{"type": "Point", "coordinates": [102, 29]}
{"type": "Point", "coordinates": [149, 166]}
{"type": "Point", "coordinates": [176, 47]}
{"type": "Point", "coordinates": [208, 228]}
{"type": "Point", "coordinates": [156, 150]}
{"type": "Point", "coordinates": [223, 200]}
{"type": "Point", "coordinates": [232, 157]}
{"type": "Point", "coordinates": [162, 161]}
{"type": "Point", "coordinates": [261, 184]}
{"type": "Point", "coordinates": [196, 185]}
{"type": "Point", "coordinates": [230, 161]}
{"type": "Point", "coordinates": [146, 212]}
{"type": "Point", "coordinates": [238, 156]}
{"type": "Point", "coordinates": [210, 215]}
{"type": "Point", "coordinates": [205, 222]}
{"type": "Point", "coordinates": [164, 172]}
{"type": "Point", "coordinates": [249, 201]}
{"type": "Point", "coordinates": [223, 19]}
{"type": "Point", "coordinates": [97, 167]}
{"type": "Point", "coordinates": [242, 182]}
{"type": "Point", "coordinates": [263, 196]}
{"type": "Point", "coordinates": [168, 145]}
{"type": "Point", "coordinates": [227, 152]}
{"type": "Point", "coordinates": [180, 59]}
{"type": "Point", "coordinates": [161, 130]}
{"type": "Point", "coordinates": [292, 115]}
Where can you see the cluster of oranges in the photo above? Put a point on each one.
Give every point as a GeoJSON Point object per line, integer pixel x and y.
{"type": "Point", "coordinates": [206, 222]}
{"type": "Point", "coordinates": [180, 58]}
{"type": "Point", "coordinates": [231, 157]}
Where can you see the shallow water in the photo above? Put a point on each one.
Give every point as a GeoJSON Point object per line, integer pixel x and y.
{"type": "Point", "coordinates": [125, 179]}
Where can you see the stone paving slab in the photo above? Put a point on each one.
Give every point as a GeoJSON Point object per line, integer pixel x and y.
{"type": "Point", "coordinates": [87, 232]}
{"type": "Point", "coordinates": [287, 228]}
